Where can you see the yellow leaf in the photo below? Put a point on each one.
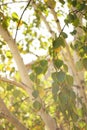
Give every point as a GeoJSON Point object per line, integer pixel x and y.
{"type": "Point", "coordinates": [17, 76]}
{"type": "Point", "coordinates": [8, 68]}
{"type": "Point", "coordinates": [1, 66]}
{"type": "Point", "coordinates": [57, 50]}
{"type": "Point", "coordinates": [41, 93]}
{"type": "Point", "coordinates": [20, 23]}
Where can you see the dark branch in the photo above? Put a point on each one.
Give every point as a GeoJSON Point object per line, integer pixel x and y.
{"type": "Point", "coordinates": [21, 17]}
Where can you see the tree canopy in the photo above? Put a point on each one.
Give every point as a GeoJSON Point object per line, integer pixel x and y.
{"type": "Point", "coordinates": [43, 65]}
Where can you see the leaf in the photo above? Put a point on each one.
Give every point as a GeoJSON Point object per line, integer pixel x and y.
{"type": "Point", "coordinates": [38, 70]}
{"type": "Point", "coordinates": [8, 54]}
{"type": "Point", "coordinates": [79, 65]}
{"type": "Point", "coordinates": [37, 105]}
{"type": "Point", "coordinates": [76, 22]}
{"type": "Point", "coordinates": [62, 2]}
{"type": "Point", "coordinates": [64, 34]}
{"type": "Point", "coordinates": [9, 87]}
{"type": "Point", "coordinates": [74, 3]}
{"type": "Point", "coordinates": [65, 67]}
{"type": "Point", "coordinates": [55, 88]}
{"type": "Point", "coordinates": [73, 32]}
{"type": "Point", "coordinates": [58, 63]}
{"type": "Point", "coordinates": [70, 17]}
{"type": "Point", "coordinates": [81, 6]}
{"type": "Point", "coordinates": [69, 80]}
{"type": "Point", "coordinates": [40, 67]}
{"type": "Point", "coordinates": [85, 62]}
{"type": "Point", "coordinates": [61, 76]}
{"type": "Point", "coordinates": [42, 92]}
{"type": "Point", "coordinates": [2, 58]}
{"type": "Point", "coordinates": [17, 76]}
{"type": "Point", "coordinates": [1, 67]}
{"type": "Point", "coordinates": [6, 22]}
{"type": "Point", "coordinates": [58, 42]}
{"type": "Point", "coordinates": [32, 76]}
{"type": "Point", "coordinates": [43, 63]}
{"type": "Point", "coordinates": [54, 76]}
{"type": "Point", "coordinates": [63, 102]}
{"type": "Point", "coordinates": [15, 17]}
{"type": "Point", "coordinates": [35, 93]}
{"type": "Point", "coordinates": [58, 76]}
{"type": "Point", "coordinates": [16, 93]}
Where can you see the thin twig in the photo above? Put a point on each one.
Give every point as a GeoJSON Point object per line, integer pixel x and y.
{"type": "Point", "coordinates": [62, 29]}
{"type": "Point", "coordinates": [20, 101]}
{"type": "Point", "coordinates": [12, 82]}
{"type": "Point", "coordinates": [7, 3]}
{"type": "Point", "coordinates": [21, 17]}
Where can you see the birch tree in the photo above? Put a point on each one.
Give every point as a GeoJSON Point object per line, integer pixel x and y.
{"type": "Point", "coordinates": [43, 65]}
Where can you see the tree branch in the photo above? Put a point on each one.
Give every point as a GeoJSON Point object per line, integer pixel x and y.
{"type": "Point", "coordinates": [19, 61]}
{"type": "Point", "coordinates": [12, 82]}
{"type": "Point", "coordinates": [5, 113]}
{"type": "Point", "coordinates": [44, 20]}
{"type": "Point", "coordinates": [7, 3]}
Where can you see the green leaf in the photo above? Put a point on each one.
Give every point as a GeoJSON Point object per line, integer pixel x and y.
{"type": "Point", "coordinates": [15, 16]}
{"type": "Point", "coordinates": [61, 76]}
{"type": "Point", "coordinates": [74, 3]}
{"type": "Point", "coordinates": [76, 22]}
{"type": "Point", "coordinates": [16, 93]}
{"type": "Point", "coordinates": [58, 63]}
{"type": "Point", "coordinates": [63, 101]}
{"type": "Point", "coordinates": [65, 67]}
{"type": "Point", "coordinates": [6, 22]}
{"type": "Point", "coordinates": [38, 70]}
{"type": "Point", "coordinates": [40, 67]}
{"type": "Point", "coordinates": [9, 87]}
{"type": "Point", "coordinates": [85, 48]}
{"type": "Point", "coordinates": [85, 63]}
{"type": "Point", "coordinates": [35, 93]}
{"type": "Point", "coordinates": [62, 2]}
{"type": "Point", "coordinates": [32, 77]}
{"type": "Point", "coordinates": [79, 65]}
{"type": "Point", "coordinates": [58, 42]}
{"type": "Point", "coordinates": [75, 127]}
{"type": "Point", "coordinates": [81, 6]}
{"type": "Point", "coordinates": [2, 58]}
{"type": "Point", "coordinates": [37, 105]}
{"type": "Point", "coordinates": [70, 17]}
{"type": "Point", "coordinates": [43, 63]}
{"type": "Point", "coordinates": [73, 32]}
{"type": "Point", "coordinates": [69, 80]}
{"type": "Point", "coordinates": [55, 88]}
{"type": "Point", "coordinates": [64, 34]}
{"type": "Point", "coordinates": [54, 76]}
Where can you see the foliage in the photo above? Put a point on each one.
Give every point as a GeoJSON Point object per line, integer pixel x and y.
{"type": "Point", "coordinates": [52, 72]}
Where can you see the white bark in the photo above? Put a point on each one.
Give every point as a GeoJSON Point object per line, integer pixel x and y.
{"type": "Point", "coordinates": [19, 61]}
{"type": "Point", "coordinates": [5, 113]}
{"type": "Point", "coordinates": [23, 73]}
